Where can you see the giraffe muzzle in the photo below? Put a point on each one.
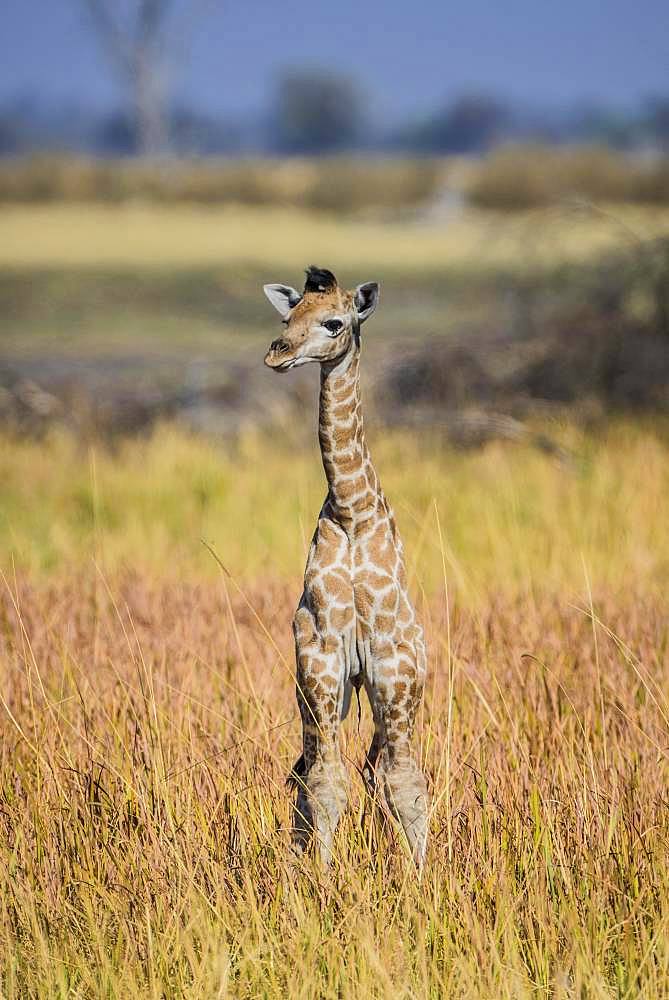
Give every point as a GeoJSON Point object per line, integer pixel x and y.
{"type": "Point", "coordinates": [276, 356]}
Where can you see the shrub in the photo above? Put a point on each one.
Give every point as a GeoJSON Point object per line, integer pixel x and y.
{"type": "Point", "coordinates": [342, 185]}
{"type": "Point", "coordinates": [517, 177]}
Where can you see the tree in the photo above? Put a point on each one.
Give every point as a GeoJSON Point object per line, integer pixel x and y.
{"type": "Point", "coordinates": [470, 124]}
{"type": "Point", "coordinates": [316, 112]}
{"type": "Point", "coordinates": [657, 122]}
{"type": "Point", "coordinates": [134, 36]}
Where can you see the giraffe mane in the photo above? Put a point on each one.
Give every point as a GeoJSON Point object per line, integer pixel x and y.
{"type": "Point", "coordinates": [319, 279]}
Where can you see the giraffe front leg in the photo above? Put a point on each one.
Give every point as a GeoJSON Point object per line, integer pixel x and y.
{"type": "Point", "coordinates": [321, 781]}
{"type": "Point", "coordinates": [397, 690]}
{"type": "Point", "coordinates": [321, 785]}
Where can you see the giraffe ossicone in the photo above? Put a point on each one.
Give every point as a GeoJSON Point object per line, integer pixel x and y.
{"type": "Point", "coordinates": [355, 624]}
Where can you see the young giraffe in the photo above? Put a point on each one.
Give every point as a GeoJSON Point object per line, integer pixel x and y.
{"type": "Point", "coordinates": [355, 623]}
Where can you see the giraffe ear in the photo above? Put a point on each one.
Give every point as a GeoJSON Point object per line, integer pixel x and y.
{"type": "Point", "coordinates": [366, 299]}
{"type": "Point", "coordinates": [282, 297]}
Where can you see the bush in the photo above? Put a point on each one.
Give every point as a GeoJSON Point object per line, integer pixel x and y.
{"type": "Point", "coordinates": [517, 177]}
{"type": "Point", "coordinates": [342, 185]}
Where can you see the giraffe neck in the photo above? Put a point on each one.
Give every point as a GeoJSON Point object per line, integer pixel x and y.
{"type": "Point", "coordinates": [352, 481]}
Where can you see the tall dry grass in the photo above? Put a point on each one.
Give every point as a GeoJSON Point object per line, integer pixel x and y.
{"type": "Point", "coordinates": [147, 723]}
{"type": "Point", "coordinates": [146, 733]}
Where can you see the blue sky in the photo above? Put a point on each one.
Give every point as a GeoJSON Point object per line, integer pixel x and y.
{"type": "Point", "coordinates": [407, 56]}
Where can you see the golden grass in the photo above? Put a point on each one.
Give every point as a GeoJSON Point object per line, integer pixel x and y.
{"type": "Point", "coordinates": [143, 235]}
{"type": "Point", "coordinates": [146, 733]}
{"type": "Point", "coordinates": [147, 723]}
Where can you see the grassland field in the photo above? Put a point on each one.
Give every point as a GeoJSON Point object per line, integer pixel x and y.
{"type": "Point", "coordinates": [147, 713]}
{"type": "Point", "coordinates": [154, 236]}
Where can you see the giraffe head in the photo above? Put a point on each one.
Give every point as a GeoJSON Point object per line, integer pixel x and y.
{"type": "Point", "coordinates": [322, 322]}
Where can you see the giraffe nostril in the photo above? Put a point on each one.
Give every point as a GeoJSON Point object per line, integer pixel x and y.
{"type": "Point", "coordinates": [279, 345]}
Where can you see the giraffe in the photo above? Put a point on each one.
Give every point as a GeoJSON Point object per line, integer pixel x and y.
{"type": "Point", "coordinates": [355, 625]}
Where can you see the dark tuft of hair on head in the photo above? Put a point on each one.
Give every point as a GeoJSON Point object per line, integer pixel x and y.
{"type": "Point", "coordinates": [319, 279]}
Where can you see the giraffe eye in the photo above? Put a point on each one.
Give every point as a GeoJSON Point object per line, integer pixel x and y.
{"type": "Point", "coordinates": [333, 326]}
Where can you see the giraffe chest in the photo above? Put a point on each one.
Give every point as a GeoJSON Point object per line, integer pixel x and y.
{"type": "Point", "coordinates": [356, 587]}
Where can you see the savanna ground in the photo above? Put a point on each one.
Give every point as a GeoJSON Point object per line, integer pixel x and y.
{"type": "Point", "coordinates": [147, 709]}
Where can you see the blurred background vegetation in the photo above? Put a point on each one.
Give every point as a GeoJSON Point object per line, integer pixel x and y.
{"type": "Point", "coordinates": [522, 247]}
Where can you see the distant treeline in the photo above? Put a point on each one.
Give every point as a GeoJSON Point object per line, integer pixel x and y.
{"type": "Point", "coordinates": [319, 113]}
{"type": "Point", "coordinates": [510, 178]}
